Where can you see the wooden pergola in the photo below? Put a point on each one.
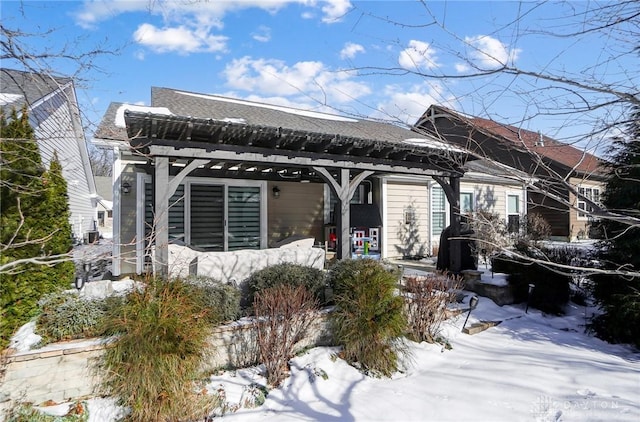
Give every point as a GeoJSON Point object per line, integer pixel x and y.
{"type": "Point", "coordinates": [221, 149]}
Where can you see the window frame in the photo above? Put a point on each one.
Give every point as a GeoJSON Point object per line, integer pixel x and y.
{"type": "Point", "coordinates": [584, 210]}
{"type": "Point", "coordinates": [473, 202]}
{"type": "Point", "coordinates": [444, 211]}
{"type": "Point", "coordinates": [509, 213]}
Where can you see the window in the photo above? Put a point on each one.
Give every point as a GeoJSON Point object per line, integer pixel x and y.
{"type": "Point", "coordinates": [438, 211]}
{"type": "Point", "coordinates": [466, 203]}
{"type": "Point", "coordinates": [219, 217]}
{"type": "Point", "coordinates": [591, 193]}
{"type": "Point", "coordinates": [513, 213]}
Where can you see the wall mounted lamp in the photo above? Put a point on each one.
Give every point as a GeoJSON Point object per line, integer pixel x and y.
{"type": "Point", "coordinates": [276, 192]}
{"type": "Point", "coordinates": [126, 188]}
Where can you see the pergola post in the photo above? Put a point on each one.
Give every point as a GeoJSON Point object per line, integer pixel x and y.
{"type": "Point", "coordinates": [163, 191]}
{"type": "Point", "coordinates": [455, 256]}
{"type": "Point", "coordinates": [161, 218]}
{"type": "Point", "coordinates": [344, 191]}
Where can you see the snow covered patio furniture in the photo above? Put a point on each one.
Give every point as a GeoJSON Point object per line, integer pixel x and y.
{"type": "Point", "coordinates": [236, 266]}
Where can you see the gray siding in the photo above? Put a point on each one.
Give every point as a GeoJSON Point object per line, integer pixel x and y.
{"type": "Point", "coordinates": [56, 130]}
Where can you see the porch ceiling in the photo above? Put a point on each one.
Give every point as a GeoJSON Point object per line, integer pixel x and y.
{"type": "Point", "coordinates": [273, 153]}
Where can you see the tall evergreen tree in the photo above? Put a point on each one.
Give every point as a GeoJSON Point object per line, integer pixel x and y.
{"type": "Point", "coordinates": [619, 296]}
{"type": "Point", "coordinates": [33, 224]}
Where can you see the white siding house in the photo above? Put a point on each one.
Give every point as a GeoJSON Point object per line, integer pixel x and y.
{"type": "Point", "coordinates": [55, 117]}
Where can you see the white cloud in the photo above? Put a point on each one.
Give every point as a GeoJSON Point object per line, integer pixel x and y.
{"type": "Point", "coordinates": [308, 78]}
{"type": "Point", "coordinates": [462, 67]}
{"type": "Point", "coordinates": [407, 105]}
{"type": "Point", "coordinates": [334, 10]}
{"type": "Point", "coordinates": [418, 55]}
{"type": "Point", "coordinates": [262, 34]}
{"type": "Point", "coordinates": [180, 39]}
{"type": "Point", "coordinates": [92, 13]}
{"type": "Point", "coordinates": [350, 50]}
{"type": "Point", "coordinates": [486, 53]}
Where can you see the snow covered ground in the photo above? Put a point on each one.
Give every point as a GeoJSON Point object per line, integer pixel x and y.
{"type": "Point", "coordinates": [531, 367]}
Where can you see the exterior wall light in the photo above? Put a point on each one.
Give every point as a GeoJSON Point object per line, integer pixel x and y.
{"type": "Point", "coordinates": [276, 192]}
{"type": "Point", "coordinates": [126, 188]}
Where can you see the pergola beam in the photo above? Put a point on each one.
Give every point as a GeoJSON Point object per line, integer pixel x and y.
{"type": "Point", "coordinates": [285, 158]}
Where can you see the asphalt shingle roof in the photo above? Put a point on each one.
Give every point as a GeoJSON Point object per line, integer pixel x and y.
{"type": "Point", "coordinates": [18, 88]}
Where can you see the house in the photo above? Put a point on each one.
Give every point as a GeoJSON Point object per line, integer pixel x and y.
{"type": "Point", "coordinates": [569, 181]}
{"type": "Point", "coordinates": [222, 174]}
{"type": "Point", "coordinates": [55, 117]}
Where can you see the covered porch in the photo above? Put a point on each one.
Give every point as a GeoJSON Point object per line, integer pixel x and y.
{"type": "Point", "coordinates": [173, 148]}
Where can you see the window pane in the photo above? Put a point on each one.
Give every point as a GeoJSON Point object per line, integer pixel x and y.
{"type": "Point", "coordinates": [207, 217]}
{"type": "Point", "coordinates": [513, 224]}
{"type": "Point", "coordinates": [176, 212]}
{"type": "Point", "coordinates": [466, 202]}
{"type": "Point", "coordinates": [513, 204]}
{"type": "Point", "coordinates": [437, 199]}
{"type": "Point", "coordinates": [437, 223]}
{"type": "Point", "coordinates": [438, 211]}
{"type": "Point", "coordinates": [244, 218]}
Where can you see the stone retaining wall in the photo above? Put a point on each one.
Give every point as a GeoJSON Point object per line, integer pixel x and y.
{"type": "Point", "coordinates": [65, 371]}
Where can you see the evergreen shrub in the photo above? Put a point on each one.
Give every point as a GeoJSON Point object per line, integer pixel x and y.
{"type": "Point", "coordinates": [34, 223]}
{"type": "Point", "coordinates": [551, 290]}
{"type": "Point", "coordinates": [368, 320]}
{"type": "Point", "coordinates": [287, 273]}
{"type": "Point", "coordinates": [157, 355]}
{"type": "Point", "coordinates": [222, 301]}
{"type": "Point", "coordinates": [66, 316]}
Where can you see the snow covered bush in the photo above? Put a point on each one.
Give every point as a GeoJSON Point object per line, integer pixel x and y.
{"type": "Point", "coordinates": [369, 320]}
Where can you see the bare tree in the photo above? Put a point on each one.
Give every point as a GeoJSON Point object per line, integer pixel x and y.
{"type": "Point", "coordinates": [593, 101]}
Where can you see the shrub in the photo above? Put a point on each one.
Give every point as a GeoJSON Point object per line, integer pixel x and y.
{"type": "Point", "coordinates": [426, 299]}
{"type": "Point", "coordinates": [158, 354]}
{"type": "Point", "coordinates": [551, 287]}
{"type": "Point", "coordinates": [346, 268]}
{"type": "Point", "coordinates": [222, 301]}
{"type": "Point", "coordinates": [66, 316]}
{"type": "Point", "coordinates": [291, 274]}
{"type": "Point", "coordinates": [369, 320]}
{"type": "Point", "coordinates": [284, 314]}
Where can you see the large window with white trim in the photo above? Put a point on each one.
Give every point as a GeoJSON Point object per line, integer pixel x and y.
{"type": "Point", "coordinates": [592, 194]}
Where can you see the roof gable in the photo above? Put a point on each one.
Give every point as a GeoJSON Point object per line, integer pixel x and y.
{"type": "Point", "coordinates": [565, 155]}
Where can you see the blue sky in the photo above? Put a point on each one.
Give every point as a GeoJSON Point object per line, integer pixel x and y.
{"type": "Point", "coordinates": [326, 55]}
